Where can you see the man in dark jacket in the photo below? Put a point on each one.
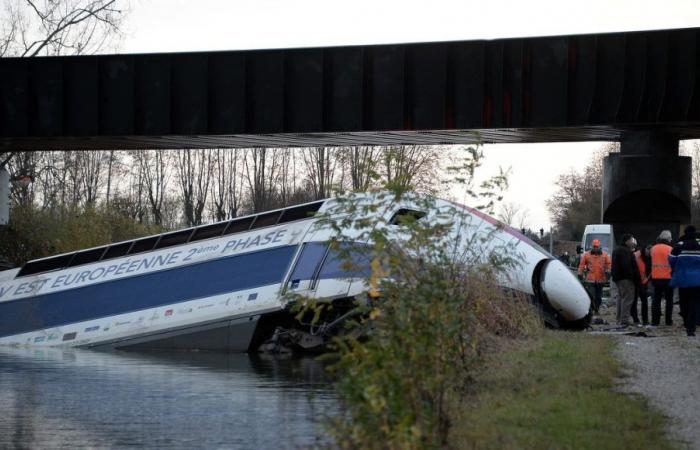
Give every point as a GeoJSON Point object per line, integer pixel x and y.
{"type": "Point", "coordinates": [625, 275]}
{"type": "Point", "coordinates": [685, 262]}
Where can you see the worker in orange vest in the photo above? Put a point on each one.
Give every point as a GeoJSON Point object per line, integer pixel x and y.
{"type": "Point", "coordinates": [660, 279]}
{"type": "Point", "coordinates": [642, 256]}
{"type": "Point", "coordinates": [594, 269]}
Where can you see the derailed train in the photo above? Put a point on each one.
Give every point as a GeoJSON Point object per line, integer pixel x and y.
{"type": "Point", "coordinates": [223, 286]}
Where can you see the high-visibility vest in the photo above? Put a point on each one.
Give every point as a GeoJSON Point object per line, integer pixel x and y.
{"type": "Point", "coordinates": [595, 266]}
{"type": "Point", "coordinates": [660, 268]}
{"type": "Point", "coordinates": [642, 266]}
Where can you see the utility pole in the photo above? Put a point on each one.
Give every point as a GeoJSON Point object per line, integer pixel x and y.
{"type": "Point", "coordinates": [4, 197]}
{"type": "Point", "coordinates": [4, 210]}
{"type": "Point", "coordinates": [551, 240]}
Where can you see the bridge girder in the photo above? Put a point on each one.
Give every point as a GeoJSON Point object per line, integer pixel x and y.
{"type": "Point", "coordinates": [544, 89]}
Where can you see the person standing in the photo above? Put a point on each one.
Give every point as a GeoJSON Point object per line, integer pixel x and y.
{"type": "Point", "coordinates": [594, 269]}
{"type": "Point", "coordinates": [625, 275]}
{"type": "Point", "coordinates": [660, 279]}
{"type": "Point", "coordinates": [643, 260]}
{"type": "Point", "coordinates": [685, 263]}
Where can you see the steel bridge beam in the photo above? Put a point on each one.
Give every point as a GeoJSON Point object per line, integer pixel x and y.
{"type": "Point", "coordinates": [544, 89]}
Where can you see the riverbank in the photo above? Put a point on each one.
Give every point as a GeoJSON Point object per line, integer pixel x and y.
{"type": "Point", "coordinates": [558, 390]}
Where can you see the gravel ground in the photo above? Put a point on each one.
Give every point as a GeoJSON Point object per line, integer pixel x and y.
{"type": "Point", "coordinates": [666, 370]}
{"type": "Point", "coordinates": [663, 366]}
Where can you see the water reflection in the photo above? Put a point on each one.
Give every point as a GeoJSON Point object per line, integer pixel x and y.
{"type": "Point", "coordinates": [79, 398]}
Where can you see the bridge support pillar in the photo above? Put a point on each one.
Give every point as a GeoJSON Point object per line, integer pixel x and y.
{"type": "Point", "coordinates": [647, 186]}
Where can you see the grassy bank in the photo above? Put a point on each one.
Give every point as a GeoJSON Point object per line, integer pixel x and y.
{"type": "Point", "coordinates": [555, 392]}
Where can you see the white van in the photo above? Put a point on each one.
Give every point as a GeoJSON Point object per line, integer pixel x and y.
{"type": "Point", "coordinates": [601, 231]}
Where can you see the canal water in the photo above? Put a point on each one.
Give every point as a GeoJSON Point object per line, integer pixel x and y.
{"type": "Point", "coordinates": [86, 399]}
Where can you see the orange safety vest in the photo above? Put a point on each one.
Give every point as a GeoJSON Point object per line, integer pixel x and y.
{"type": "Point", "coordinates": [660, 268]}
{"type": "Point", "coordinates": [641, 265]}
{"type": "Point", "coordinates": [597, 265]}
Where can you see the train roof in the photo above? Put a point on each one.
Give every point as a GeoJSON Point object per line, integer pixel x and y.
{"type": "Point", "coordinates": [171, 238]}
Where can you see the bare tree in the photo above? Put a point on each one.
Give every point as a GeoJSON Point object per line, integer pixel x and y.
{"type": "Point", "coordinates": [194, 168]}
{"type": "Point", "coordinates": [288, 175]}
{"type": "Point", "coordinates": [132, 203]}
{"type": "Point", "coordinates": [261, 168]}
{"type": "Point", "coordinates": [693, 150]}
{"type": "Point", "coordinates": [577, 200]}
{"type": "Point", "coordinates": [26, 164]}
{"type": "Point", "coordinates": [112, 159]}
{"type": "Point", "coordinates": [58, 27]}
{"type": "Point", "coordinates": [50, 180]}
{"type": "Point", "coordinates": [410, 167]}
{"type": "Point", "coordinates": [226, 186]}
{"type": "Point", "coordinates": [90, 174]}
{"type": "Point", "coordinates": [361, 165]}
{"type": "Point", "coordinates": [155, 169]}
{"type": "Point", "coordinates": [320, 164]}
{"type": "Point", "coordinates": [513, 214]}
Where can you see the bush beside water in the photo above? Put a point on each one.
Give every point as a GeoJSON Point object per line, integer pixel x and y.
{"type": "Point", "coordinates": [440, 309]}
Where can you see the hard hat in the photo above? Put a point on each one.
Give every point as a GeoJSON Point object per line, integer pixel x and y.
{"type": "Point", "coordinates": [596, 243]}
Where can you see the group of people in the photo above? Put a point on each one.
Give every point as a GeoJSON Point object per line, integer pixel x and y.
{"type": "Point", "coordinates": [636, 270]}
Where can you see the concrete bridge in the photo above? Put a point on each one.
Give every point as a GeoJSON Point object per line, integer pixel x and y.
{"type": "Point", "coordinates": [639, 88]}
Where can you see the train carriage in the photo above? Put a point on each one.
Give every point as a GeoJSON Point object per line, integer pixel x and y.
{"type": "Point", "coordinates": [223, 286]}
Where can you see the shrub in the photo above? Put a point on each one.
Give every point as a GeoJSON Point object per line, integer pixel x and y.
{"type": "Point", "coordinates": [35, 233]}
{"type": "Point", "coordinates": [440, 307]}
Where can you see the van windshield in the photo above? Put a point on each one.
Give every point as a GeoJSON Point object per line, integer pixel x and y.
{"type": "Point", "coordinates": [603, 238]}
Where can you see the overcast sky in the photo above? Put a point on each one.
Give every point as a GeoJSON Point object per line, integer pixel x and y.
{"type": "Point", "coordinates": [180, 25]}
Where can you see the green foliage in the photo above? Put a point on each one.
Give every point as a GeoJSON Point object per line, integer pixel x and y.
{"type": "Point", "coordinates": [35, 233]}
{"type": "Point", "coordinates": [556, 391]}
{"type": "Point", "coordinates": [461, 171]}
{"type": "Point", "coordinates": [440, 306]}
{"type": "Point", "coordinates": [428, 337]}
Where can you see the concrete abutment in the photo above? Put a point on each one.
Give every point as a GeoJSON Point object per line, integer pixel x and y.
{"type": "Point", "coordinates": [647, 186]}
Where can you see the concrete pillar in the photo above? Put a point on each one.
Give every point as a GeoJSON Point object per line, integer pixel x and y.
{"type": "Point", "coordinates": [647, 186]}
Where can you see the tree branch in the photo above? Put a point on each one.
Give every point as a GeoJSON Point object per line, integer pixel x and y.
{"type": "Point", "coordinates": [73, 18]}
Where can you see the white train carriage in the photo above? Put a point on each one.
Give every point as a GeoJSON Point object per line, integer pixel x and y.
{"type": "Point", "coordinates": [208, 287]}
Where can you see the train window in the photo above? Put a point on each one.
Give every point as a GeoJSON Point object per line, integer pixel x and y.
{"type": "Point", "coordinates": [310, 258]}
{"type": "Point", "coordinates": [350, 260]}
{"type": "Point", "coordinates": [87, 256]}
{"type": "Point", "coordinates": [117, 250]}
{"type": "Point", "coordinates": [238, 225]}
{"type": "Point", "coordinates": [45, 265]}
{"type": "Point", "coordinates": [265, 220]}
{"type": "Point", "coordinates": [300, 212]}
{"type": "Point", "coordinates": [143, 245]}
{"type": "Point", "coordinates": [170, 239]}
{"type": "Point", "coordinates": [208, 231]}
{"type": "Point", "coordinates": [405, 216]}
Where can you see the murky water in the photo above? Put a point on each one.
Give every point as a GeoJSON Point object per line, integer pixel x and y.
{"type": "Point", "coordinates": [81, 398]}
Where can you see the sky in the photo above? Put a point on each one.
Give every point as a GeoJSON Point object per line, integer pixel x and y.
{"type": "Point", "coordinates": [203, 25]}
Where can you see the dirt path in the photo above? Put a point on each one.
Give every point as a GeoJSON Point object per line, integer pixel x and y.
{"type": "Point", "coordinates": [666, 370]}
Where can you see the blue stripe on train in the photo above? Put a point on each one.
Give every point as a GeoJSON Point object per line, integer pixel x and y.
{"type": "Point", "coordinates": [165, 287]}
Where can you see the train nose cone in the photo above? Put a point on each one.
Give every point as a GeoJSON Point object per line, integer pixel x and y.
{"type": "Point", "coordinates": [564, 291]}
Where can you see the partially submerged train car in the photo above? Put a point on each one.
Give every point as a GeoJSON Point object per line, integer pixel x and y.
{"type": "Point", "coordinates": [222, 286]}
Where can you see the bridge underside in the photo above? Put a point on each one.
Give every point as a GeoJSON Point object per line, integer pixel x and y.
{"type": "Point", "coordinates": [359, 138]}
{"type": "Point", "coordinates": [542, 89]}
